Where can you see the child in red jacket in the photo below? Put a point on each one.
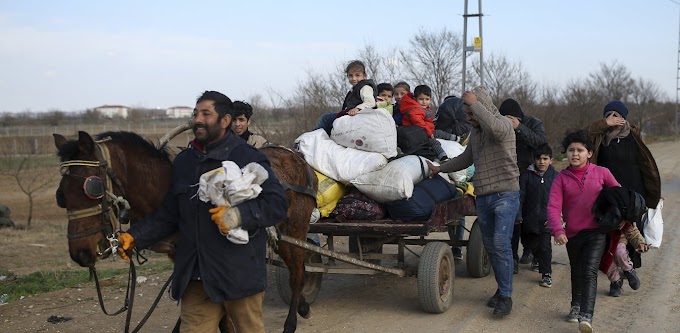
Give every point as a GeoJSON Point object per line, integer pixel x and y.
{"type": "Point", "coordinates": [416, 110]}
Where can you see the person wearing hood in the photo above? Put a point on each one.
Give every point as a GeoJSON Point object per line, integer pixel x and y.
{"type": "Point", "coordinates": [530, 133]}
{"type": "Point", "coordinates": [492, 150]}
{"type": "Point", "coordinates": [619, 148]}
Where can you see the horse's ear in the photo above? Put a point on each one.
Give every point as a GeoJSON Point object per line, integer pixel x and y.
{"type": "Point", "coordinates": [85, 142]}
{"type": "Point", "coordinates": [59, 140]}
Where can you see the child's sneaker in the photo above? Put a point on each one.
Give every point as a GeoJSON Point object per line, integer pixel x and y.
{"type": "Point", "coordinates": [546, 281]}
{"type": "Point", "coordinates": [615, 288]}
{"type": "Point", "coordinates": [573, 316]}
{"type": "Point", "coordinates": [633, 280]}
{"type": "Point", "coordinates": [534, 265]}
{"type": "Point", "coordinates": [585, 323]}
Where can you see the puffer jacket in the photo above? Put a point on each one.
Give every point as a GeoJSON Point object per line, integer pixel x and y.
{"type": "Point", "coordinates": [533, 196]}
{"type": "Point", "coordinates": [228, 271]}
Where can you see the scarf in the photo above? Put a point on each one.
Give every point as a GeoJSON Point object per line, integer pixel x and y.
{"type": "Point", "coordinates": [617, 133]}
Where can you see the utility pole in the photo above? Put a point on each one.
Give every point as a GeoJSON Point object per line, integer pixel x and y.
{"type": "Point", "coordinates": [677, 78]}
{"type": "Point", "coordinates": [476, 45]}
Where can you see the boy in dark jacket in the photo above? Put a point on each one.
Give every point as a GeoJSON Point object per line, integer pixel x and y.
{"type": "Point", "coordinates": [535, 185]}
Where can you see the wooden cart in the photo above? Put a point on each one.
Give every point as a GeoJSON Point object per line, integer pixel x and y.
{"type": "Point", "coordinates": [435, 271]}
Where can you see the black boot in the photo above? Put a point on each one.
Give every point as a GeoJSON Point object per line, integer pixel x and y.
{"type": "Point", "coordinates": [494, 299]}
{"type": "Point", "coordinates": [504, 306]}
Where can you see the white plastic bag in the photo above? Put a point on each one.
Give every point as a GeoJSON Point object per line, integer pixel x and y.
{"type": "Point", "coordinates": [394, 181]}
{"type": "Point", "coordinates": [654, 226]}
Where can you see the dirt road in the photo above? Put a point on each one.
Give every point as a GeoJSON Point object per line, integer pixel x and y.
{"type": "Point", "coordinates": [390, 304]}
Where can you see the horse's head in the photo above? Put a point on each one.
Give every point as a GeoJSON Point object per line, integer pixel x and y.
{"type": "Point", "coordinates": [83, 193]}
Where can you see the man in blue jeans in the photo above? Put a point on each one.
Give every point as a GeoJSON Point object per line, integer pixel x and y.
{"type": "Point", "coordinates": [492, 150]}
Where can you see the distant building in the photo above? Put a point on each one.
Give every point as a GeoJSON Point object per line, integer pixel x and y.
{"type": "Point", "coordinates": [111, 111]}
{"type": "Point", "coordinates": [179, 112]}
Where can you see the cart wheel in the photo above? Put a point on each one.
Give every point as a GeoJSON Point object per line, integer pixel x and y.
{"type": "Point", "coordinates": [435, 277]}
{"type": "Point", "coordinates": [312, 285]}
{"type": "Point", "coordinates": [478, 264]}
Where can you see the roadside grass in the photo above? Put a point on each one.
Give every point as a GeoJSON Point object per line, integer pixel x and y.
{"type": "Point", "coordinates": [40, 282]}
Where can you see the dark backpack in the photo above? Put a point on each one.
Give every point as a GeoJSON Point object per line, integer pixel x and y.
{"type": "Point", "coordinates": [615, 204]}
{"type": "Point", "coordinates": [413, 140]}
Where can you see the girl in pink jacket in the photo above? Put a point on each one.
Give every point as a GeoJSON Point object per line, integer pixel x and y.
{"type": "Point", "coordinates": [572, 196]}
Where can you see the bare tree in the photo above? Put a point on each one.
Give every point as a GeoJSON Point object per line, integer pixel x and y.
{"type": "Point", "coordinates": [373, 61]}
{"type": "Point", "coordinates": [23, 170]}
{"type": "Point", "coordinates": [613, 81]}
{"type": "Point", "coordinates": [434, 58]}
{"type": "Point", "coordinates": [645, 95]}
{"type": "Point", "coordinates": [506, 79]}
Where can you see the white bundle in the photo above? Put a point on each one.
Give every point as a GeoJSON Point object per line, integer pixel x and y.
{"type": "Point", "coordinates": [229, 186]}
{"type": "Point", "coordinates": [370, 130]}
{"type": "Point", "coordinates": [395, 181]}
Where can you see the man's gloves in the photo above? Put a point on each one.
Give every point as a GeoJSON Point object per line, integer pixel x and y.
{"type": "Point", "coordinates": [226, 218]}
{"type": "Point", "coordinates": [126, 243]}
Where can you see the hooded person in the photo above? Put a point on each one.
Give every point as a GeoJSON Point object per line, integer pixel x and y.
{"type": "Point", "coordinates": [530, 134]}
{"type": "Point", "coordinates": [618, 147]}
{"type": "Point", "coordinates": [492, 150]}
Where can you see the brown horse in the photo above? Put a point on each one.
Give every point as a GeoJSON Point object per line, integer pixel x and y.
{"type": "Point", "coordinates": [123, 177]}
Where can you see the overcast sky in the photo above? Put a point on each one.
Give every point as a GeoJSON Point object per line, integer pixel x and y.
{"type": "Point", "coordinates": [72, 55]}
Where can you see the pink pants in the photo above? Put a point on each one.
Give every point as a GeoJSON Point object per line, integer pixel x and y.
{"type": "Point", "coordinates": [621, 260]}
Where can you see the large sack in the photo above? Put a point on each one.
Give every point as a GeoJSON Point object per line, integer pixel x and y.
{"type": "Point", "coordinates": [426, 195]}
{"type": "Point", "coordinates": [357, 206]}
{"type": "Point", "coordinates": [335, 161]}
{"type": "Point", "coordinates": [328, 194]}
{"type": "Point", "coordinates": [453, 149]}
{"type": "Point", "coordinates": [370, 130]}
{"type": "Point", "coordinates": [395, 181]}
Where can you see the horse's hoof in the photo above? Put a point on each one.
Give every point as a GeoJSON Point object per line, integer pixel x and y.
{"type": "Point", "coordinates": [305, 311]}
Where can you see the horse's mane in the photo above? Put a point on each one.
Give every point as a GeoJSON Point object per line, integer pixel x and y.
{"type": "Point", "coordinates": [69, 150]}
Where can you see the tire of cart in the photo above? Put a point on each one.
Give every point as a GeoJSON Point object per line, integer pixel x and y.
{"type": "Point", "coordinates": [435, 277]}
{"type": "Point", "coordinates": [478, 264]}
{"type": "Point", "coordinates": [312, 285]}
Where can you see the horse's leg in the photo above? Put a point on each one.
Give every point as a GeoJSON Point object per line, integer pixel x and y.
{"type": "Point", "coordinates": [284, 251]}
{"type": "Point", "coordinates": [176, 328]}
{"type": "Point", "coordinates": [226, 325]}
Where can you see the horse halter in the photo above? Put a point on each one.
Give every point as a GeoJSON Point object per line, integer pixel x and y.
{"type": "Point", "coordinates": [99, 188]}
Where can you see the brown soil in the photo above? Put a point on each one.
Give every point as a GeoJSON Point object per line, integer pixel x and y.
{"type": "Point", "coordinates": [350, 303]}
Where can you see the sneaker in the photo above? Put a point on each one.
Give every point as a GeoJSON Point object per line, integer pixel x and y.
{"type": "Point", "coordinates": [515, 269]}
{"type": "Point", "coordinates": [615, 288]}
{"type": "Point", "coordinates": [633, 280]}
{"type": "Point", "coordinates": [574, 316]}
{"type": "Point", "coordinates": [546, 281]}
{"type": "Point", "coordinates": [534, 265]}
{"type": "Point", "coordinates": [503, 306]}
{"type": "Point", "coordinates": [494, 299]}
{"type": "Point", "coordinates": [527, 256]}
{"type": "Point", "coordinates": [457, 253]}
{"type": "Point", "coordinates": [585, 324]}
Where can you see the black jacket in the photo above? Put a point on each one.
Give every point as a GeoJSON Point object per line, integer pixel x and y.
{"type": "Point", "coordinates": [530, 134]}
{"type": "Point", "coordinates": [353, 97]}
{"type": "Point", "coordinates": [533, 196]}
{"type": "Point", "coordinates": [451, 117]}
{"type": "Point", "coordinates": [229, 271]}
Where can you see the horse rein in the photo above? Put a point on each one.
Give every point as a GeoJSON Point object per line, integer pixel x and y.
{"type": "Point", "coordinates": [110, 219]}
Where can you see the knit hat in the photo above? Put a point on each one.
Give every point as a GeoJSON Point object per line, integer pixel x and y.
{"type": "Point", "coordinates": [617, 106]}
{"type": "Point", "coordinates": [510, 107]}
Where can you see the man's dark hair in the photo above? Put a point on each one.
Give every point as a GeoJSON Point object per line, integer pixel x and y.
{"type": "Point", "coordinates": [579, 136]}
{"type": "Point", "coordinates": [242, 108]}
{"type": "Point", "coordinates": [385, 87]}
{"type": "Point", "coordinates": [403, 84]}
{"type": "Point", "coordinates": [422, 89]}
{"type": "Point", "coordinates": [223, 104]}
{"type": "Point", "coordinates": [543, 149]}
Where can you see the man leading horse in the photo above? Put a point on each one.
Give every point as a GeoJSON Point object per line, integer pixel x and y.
{"type": "Point", "coordinates": [212, 275]}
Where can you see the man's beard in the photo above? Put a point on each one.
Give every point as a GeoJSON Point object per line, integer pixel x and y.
{"type": "Point", "coordinates": [211, 133]}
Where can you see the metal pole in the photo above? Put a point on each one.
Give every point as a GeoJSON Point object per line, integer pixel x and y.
{"type": "Point", "coordinates": [481, 51]}
{"type": "Point", "coordinates": [465, 17]}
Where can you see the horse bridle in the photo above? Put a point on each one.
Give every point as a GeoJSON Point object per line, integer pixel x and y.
{"type": "Point", "coordinates": [110, 220]}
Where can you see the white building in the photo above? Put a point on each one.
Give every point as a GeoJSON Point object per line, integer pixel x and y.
{"type": "Point", "coordinates": [179, 112]}
{"type": "Point", "coordinates": [111, 111]}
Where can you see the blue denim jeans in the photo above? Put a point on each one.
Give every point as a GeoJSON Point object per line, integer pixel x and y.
{"type": "Point", "coordinates": [326, 122]}
{"type": "Point", "coordinates": [496, 213]}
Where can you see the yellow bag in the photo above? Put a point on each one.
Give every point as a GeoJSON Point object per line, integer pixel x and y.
{"type": "Point", "coordinates": [330, 192]}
